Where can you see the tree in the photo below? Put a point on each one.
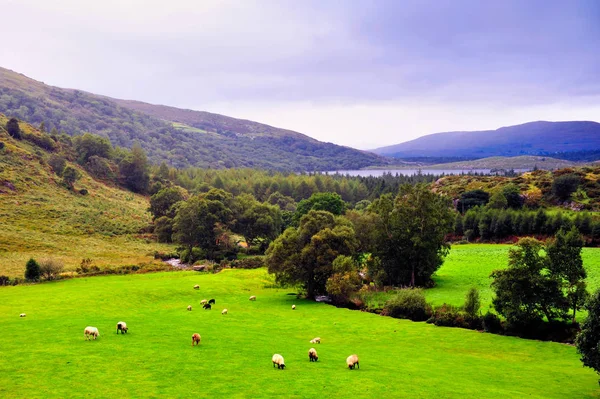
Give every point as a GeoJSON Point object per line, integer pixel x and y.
{"type": "Point", "coordinates": [412, 231]}
{"type": "Point", "coordinates": [588, 339]}
{"type": "Point", "coordinates": [259, 221]}
{"type": "Point", "coordinates": [565, 185]}
{"type": "Point", "coordinates": [566, 264]}
{"type": "Point", "coordinates": [526, 291]}
{"type": "Point", "coordinates": [513, 196]}
{"type": "Point", "coordinates": [161, 203]}
{"type": "Point", "coordinates": [163, 228]}
{"type": "Point", "coordinates": [472, 303]}
{"type": "Point", "coordinates": [134, 170]}
{"type": "Point", "coordinates": [57, 163]}
{"type": "Point", "coordinates": [70, 175]}
{"type": "Point", "coordinates": [471, 199]}
{"type": "Point", "coordinates": [498, 201]}
{"type": "Point", "coordinates": [32, 270]}
{"type": "Point", "coordinates": [330, 202]}
{"type": "Point", "coordinates": [89, 145]}
{"type": "Point", "coordinates": [344, 281]}
{"type": "Point", "coordinates": [51, 268]}
{"type": "Point", "coordinates": [13, 128]}
{"type": "Point", "coordinates": [305, 254]}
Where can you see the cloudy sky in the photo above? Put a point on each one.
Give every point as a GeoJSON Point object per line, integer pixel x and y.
{"type": "Point", "coordinates": [362, 73]}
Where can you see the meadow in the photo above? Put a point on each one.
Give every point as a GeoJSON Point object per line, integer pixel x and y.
{"type": "Point", "coordinates": [45, 354]}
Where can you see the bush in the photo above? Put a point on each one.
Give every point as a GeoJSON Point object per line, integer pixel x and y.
{"type": "Point", "coordinates": [51, 268]}
{"type": "Point", "coordinates": [492, 323]}
{"type": "Point", "coordinates": [165, 256]}
{"type": "Point", "coordinates": [83, 191]}
{"type": "Point", "coordinates": [13, 128]}
{"type": "Point", "coordinates": [565, 185]}
{"type": "Point", "coordinates": [472, 303]}
{"type": "Point", "coordinates": [57, 163]}
{"type": "Point", "coordinates": [1, 145]}
{"type": "Point", "coordinates": [32, 270]}
{"type": "Point", "coordinates": [408, 304]}
{"type": "Point", "coordinates": [4, 280]}
{"type": "Point", "coordinates": [248, 263]}
{"type": "Point", "coordinates": [448, 316]}
{"type": "Point", "coordinates": [190, 257]}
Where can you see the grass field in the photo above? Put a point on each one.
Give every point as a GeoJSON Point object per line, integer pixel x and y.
{"type": "Point", "coordinates": [470, 266]}
{"type": "Point", "coordinates": [45, 354]}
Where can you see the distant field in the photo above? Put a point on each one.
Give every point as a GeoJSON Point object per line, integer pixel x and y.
{"type": "Point", "coordinates": [470, 266]}
{"type": "Point", "coordinates": [46, 355]}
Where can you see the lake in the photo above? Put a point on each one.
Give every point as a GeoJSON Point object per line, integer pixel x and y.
{"type": "Point", "coordinates": [410, 172]}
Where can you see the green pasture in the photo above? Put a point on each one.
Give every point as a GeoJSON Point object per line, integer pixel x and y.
{"type": "Point", "coordinates": [45, 355]}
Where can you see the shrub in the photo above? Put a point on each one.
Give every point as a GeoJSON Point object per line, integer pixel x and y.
{"type": "Point", "coordinates": [1, 145]}
{"type": "Point", "coordinates": [565, 185]}
{"type": "Point", "coordinates": [408, 304]}
{"type": "Point", "coordinates": [248, 263]}
{"type": "Point", "coordinates": [472, 303]}
{"type": "Point", "coordinates": [51, 268]}
{"type": "Point", "coordinates": [190, 257]}
{"type": "Point", "coordinates": [448, 316]}
{"type": "Point", "coordinates": [83, 191]}
{"type": "Point", "coordinates": [32, 270]}
{"type": "Point", "coordinates": [4, 280]}
{"type": "Point", "coordinates": [13, 128]}
{"type": "Point", "coordinates": [165, 256]}
{"type": "Point", "coordinates": [492, 323]}
{"type": "Point", "coordinates": [57, 163]}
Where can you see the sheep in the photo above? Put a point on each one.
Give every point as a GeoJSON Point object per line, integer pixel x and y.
{"type": "Point", "coordinates": [90, 332]}
{"type": "Point", "coordinates": [316, 340]}
{"type": "Point", "coordinates": [196, 287]}
{"type": "Point", "coordinates": [189, 307]}
{"type": "Point", "coordinates": [211, 301]}
{"type": "Point", "coordinates": [22, 315]}
{"type": "Point", "coordinates": [203, 302]}
{"type": "Point", "coordinates": [278, 361]}
{"type": "Point", "coordinates": [252, 298]}
{"type": "Point", "coordinates": [122, 326]}
{"type": "Point", "coordinates": [196, 339]}
{"type": "Point", "coordinates": [224, 311]}
{"type": "Point", "coordinates": [312, 355]}
{"type": "Point", "coordinates": [207, 306]}
{"type": "Point", "coordinates": [293, 307]}
{"type": "Point", "coordinates": [352, 361]}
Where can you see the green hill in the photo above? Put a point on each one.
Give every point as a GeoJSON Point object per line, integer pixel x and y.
{"type": "Point", "coordinates": [520, 162]}
{"type": "Point", "coordinates": [179, 137]}
{"type": "Point", "coordinates": [41, 218]}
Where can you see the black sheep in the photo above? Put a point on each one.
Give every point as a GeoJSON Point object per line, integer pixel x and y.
{"type": "Point", "coordinates": [207, 306]}
{"type": "Point", "coordinates": [211, 301]}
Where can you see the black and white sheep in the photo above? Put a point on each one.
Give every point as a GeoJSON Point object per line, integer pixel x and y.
{"type": "Point", "coordinates": [352, 362]}
{"type": "Point", "coordinates": [122, 326]}
{"type": "Point", "coordinates": [224, 311]}
{"type": "Point", "coordinates": [316, 340]}
{"type": "Point", "coordinates": [293, 307]}
{"type": "Point", "coordinates": [312, 355]}
{"type": "Point", "coordinates": [189, 307]}
{"type": "Point", "coordinates": [22, 315]}
{"type": "Point", "coordinates": [90, 332]}
{"type": "Point", "coordinates": [252, 298]}
{"type": "Point", "coordinates": [196, 287]}
{"type": "Point", "coordinates": [278, 361]}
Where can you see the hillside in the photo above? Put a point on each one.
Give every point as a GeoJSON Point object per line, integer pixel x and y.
{"type": "Point", "coordinates": [534, 138]}
{"type": "Point", "coordinates": [520, 162]}
{"type": "Point", "coordinates": [179, 137]}
{"type": "Point", "coordinates": [41, 218]}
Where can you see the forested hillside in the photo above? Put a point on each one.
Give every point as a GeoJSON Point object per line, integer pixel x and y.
{"type": "Point", "coordinates": [202, 139]}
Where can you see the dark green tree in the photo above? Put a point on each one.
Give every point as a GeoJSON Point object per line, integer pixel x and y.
{"type": "Point", "coordinates": [305, 254]}
{"type": "Point", "coordinates": [134, 170]}
{"type": "Point", "coordinates": [330, 202]}
{"type": "Point", "coordinates": [163, 228]}
{"type": "Point", "coordinates": [565, 185]}
{"type": "Point", "coordinates": [161, 203]}
{"type": "Point", "coordinates": [471, 199]}
{"type": "Point", "coordinates": [259, 221]}
{"type": "Point", "coordinates": [588, 339]}
{"type": "Point", "coordinates": [525, 292]}
{"type": "Point", "coordinates": [413, 228]}
{"type": "Point", "coordinates": [13, 128]}
{"type": "Point", "coordinates": [32, 270]}
{"type": "Point", "coordinates": [89, 145]}
{"type": "Point", "coordinates": [565, 263]}
{"type": "Point", "coordinates": [57, 163]}
{"type": "Point", "coordinates": [513, 196]}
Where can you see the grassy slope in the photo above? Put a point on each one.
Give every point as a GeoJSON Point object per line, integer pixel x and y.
{"type": "Point", "coordinates": [45, 355]}
{"type": "Point", "coordinates": [41, 218]}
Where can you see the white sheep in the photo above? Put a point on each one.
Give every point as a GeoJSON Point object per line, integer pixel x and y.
{"type": "Point", "coordinates": [203, 302]}
{"type": "Point", "coordinates": [189, 307]}
{"type": "Point", "coordinates": [278, 361]}
{"type": "Point", "coordinates": [91, 332]}
{"type": "Point", "coordinates": [312, 355]}
{"type": "Point", "coordinates": [293, 307]}
{"type": "Point", "coordinates": [352, 361]}
{"type": "Point", "coordinates": [122, 326]}
{"type": "Point", "coordinates": [224, 311]}
{"type": "Point", "coordinates": [196, 339]}
{"type": "Point", "coordinates": [196, 287]}
{"type": "Point", "coordinates": [22, 315]}
{"type": "Point", "coordinates": [252, 298]}
{"type": "Point", "coordinates": [316, 340]}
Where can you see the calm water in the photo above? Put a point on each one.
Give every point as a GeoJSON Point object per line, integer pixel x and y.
{"type": "Point", "coordinates": [410, 172]}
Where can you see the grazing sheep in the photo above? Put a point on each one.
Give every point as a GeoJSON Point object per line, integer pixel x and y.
{"type": "Point", "coordinates": [278, 361]}
{"type": "Point", "coordinates": [293, 307]}
{"type": "Point", "coordinates": [352, 361]}
{"type": "Point", "coordinates": [252, 298]}
{"type": "Point", "coordinates": [90, 332]}
{"type": "Point", "coordinates": [189, 307]}
{"type": "Point", "coordinates": [207, 306]}
{"type": "Point", "coordinates": [316, 340]}
{"type": "Point", "coordinates": [196, 339]}
{"type": "Point", "coordinates": [203, 302]}
{"type": "Point", "coordinates": [224, 311]}
{"type": "Point", "coordinates": [312, 355]}
{"type": "Point", "coordinates": [196, 287]}
{"type": "Point", "coordinates": [122, 326]}
{"type": "Point", "coordinates": [211, 301]}
{"type": "Point", "coordinates": [22, 315]}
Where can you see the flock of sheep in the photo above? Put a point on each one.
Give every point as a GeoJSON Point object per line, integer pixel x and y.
{"type": "Point", "coordinates": [352, 361]}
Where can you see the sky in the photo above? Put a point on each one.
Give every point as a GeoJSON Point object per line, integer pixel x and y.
{"type": "Point", "coordinates": [361, 73]}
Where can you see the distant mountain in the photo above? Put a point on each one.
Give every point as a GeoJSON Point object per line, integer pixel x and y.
{"type": "Point", "coordinates": [533, 138]}
{"type": "Point", "coordinates": [179, 137]}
